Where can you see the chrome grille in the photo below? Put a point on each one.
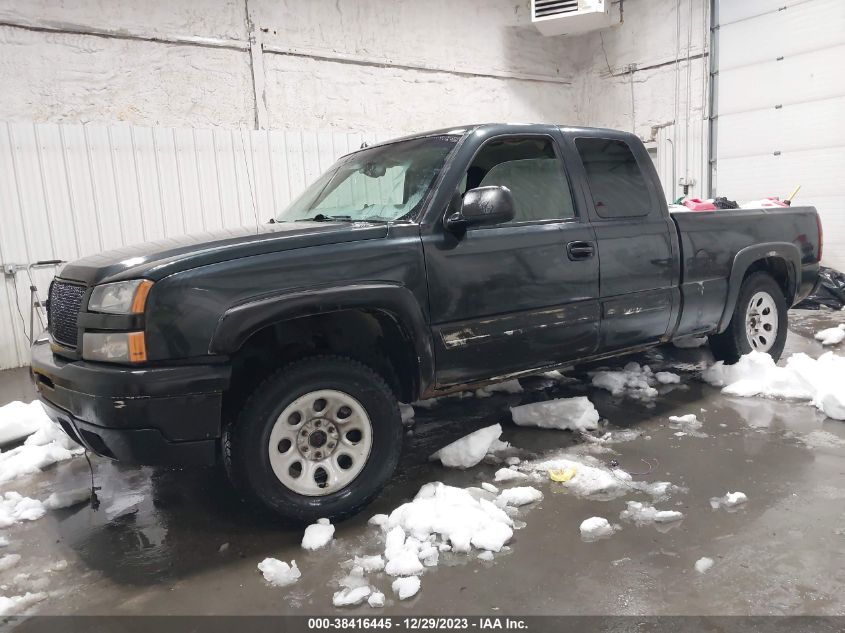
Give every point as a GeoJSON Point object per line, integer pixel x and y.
{"type": "Point", "coordinates": [65, 303]}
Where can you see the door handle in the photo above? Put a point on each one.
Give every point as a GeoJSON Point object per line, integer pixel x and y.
{"type": "Point", "coordinates": [579, 250]}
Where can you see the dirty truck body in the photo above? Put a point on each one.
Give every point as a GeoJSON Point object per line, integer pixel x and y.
{"type": "Point", "coordinates": [410, 269]}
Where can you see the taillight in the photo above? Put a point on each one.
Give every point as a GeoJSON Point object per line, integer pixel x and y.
{"type": "Point", "coordinates": [821, 235]}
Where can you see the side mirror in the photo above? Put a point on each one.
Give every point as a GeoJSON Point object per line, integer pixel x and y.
{"type": "Point", "coordinates": [482, 205]}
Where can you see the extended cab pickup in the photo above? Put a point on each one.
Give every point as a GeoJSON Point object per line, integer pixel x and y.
{"type": "Point", "coordinates": [409, 269]}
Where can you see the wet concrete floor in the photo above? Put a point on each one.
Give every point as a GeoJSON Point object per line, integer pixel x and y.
{"type": "Point", "coordinates": [188, 546]}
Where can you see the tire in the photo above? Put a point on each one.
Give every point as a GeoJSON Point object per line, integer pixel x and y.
{"type": "Point", "coordinates": [355, 438]}
{"type": "Point", "coordinates": [751, 327]}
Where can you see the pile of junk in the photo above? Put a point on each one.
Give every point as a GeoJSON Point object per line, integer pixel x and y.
{"type": "Point", "coordinates": [697, 204]}
{"type": "Point", "coordinates": [830, 291]}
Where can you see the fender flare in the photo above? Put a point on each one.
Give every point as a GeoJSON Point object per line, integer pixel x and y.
{"type": "Point", "coordinates": [743, 260]}
{"type": "Point", "coordinates": [241, 321]}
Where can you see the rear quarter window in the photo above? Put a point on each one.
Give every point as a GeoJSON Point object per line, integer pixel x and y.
{"type": "Point", "coordinates": [615, 180]}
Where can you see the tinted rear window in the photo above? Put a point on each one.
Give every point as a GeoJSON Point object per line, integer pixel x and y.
{"type": "Point", "coordinates": [617, 185]}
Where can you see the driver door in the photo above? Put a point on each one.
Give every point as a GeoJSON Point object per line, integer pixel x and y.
{"type": "Point", "coordinates": [519, 295]}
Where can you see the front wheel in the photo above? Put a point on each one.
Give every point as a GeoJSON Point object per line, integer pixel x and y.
{"type": "Point", "coordinates": [319, 438]}
{"type": "Point", "coordinates": [758, 323]}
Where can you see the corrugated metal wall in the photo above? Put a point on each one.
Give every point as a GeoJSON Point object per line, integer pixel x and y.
{"type": "Point", "coordinates": [72, 190]}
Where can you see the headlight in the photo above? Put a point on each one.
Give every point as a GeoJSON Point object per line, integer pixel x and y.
{"type": "Point", "coordinates": [122, 297]}
{"type": "Point", "coordinates": [114, 347]}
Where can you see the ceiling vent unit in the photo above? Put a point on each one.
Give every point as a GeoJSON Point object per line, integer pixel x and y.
{"type": "Point", "coordinates": [567, 17]}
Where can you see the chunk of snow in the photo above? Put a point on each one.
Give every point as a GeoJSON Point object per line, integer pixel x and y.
{"type": "Point", "coordinates": [427, 404]}
{"type": "Point", "coordinates": [690, 342]}
{"type": "Point", "coordinates": [15, 508]}
{"type": "Point", "coordinates": [45, 447]}
{"type": "Point", "coordinates": [376, 599]}
{"type": "Point", "coordinates": [406, 411]}
{"type": "Point", "coordinates": [730, 500]}
{"type": "Point", "coordinates": [4, 542]}
{"type": "Point", "coordinates": [470, 450]}
{"type": "Point", "coordinates": [19, 420]}
{"type": "Point", "coordinates": [508, 386]}
{"type": "Point", "coordinates": [594, 528]}
{"type": "Point", "coordinates": [642, 513]}
{"type": "Point", "coordinates": [370, 563]}
{"type": "Point", "coordinates": [59, 565]}
{"type": "Point", "coordinates": [518, 496]}
{"type": "Point", "coordinates": [378, 519]}
{"type": "Point", "coordinates": [667, 378]}
{"type": "Point", "coordinates": [508, 474]}
{"type": "Point", "coordinates": [803, 378]}
{"type": "Point", "coordinates": [19, 604]}
{"type": "Point", "coordinates": [832, 336]}
{"type": "Point", "coordinates": [490, 488]}
{"type": "Point", "coordinates": [317, 535]}
{"type": "Point", "coordinates": [403, 563]}
{"type": "Point", "coordinates": [576, 414]}
{"type": "Point", "coordinates": [8, 561]}
{"type": "Point", "coordinates": [633, 380]}
{"type": "Point", "coordinates": [67, 498]}
{"type": "Point", "coordinates": [450, 513]}
{"type": "Point", "coordinates": [703, 564]}
{"type": "Point", "coordinates": [349, 597]}
{"type": "Point", "coordinates": [278, 572]}
{"type": "Point", "coordinates": [486, 555]}
{"type": "Point", "coordinates": [406, 587]}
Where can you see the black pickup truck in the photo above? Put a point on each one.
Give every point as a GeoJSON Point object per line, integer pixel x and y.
{"type": "Point", "coordinates": [410, 269]}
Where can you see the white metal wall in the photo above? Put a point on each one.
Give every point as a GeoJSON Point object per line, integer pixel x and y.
{"type": "Point", "coordinates": [781, 99]}
{"type": "Point", "coordinates": [67, 191]}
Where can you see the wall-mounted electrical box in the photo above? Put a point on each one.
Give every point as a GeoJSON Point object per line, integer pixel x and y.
{"type": "Point", "coordinates": [568, 17]}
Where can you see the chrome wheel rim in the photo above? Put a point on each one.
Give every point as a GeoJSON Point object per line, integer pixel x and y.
{"type": "Point", "coordinates": [320, 442]}
{"type": "Point", "coordinates": [761, 322]}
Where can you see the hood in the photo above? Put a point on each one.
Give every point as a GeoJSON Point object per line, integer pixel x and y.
{"type": "Point", "coordinates": [156, 260]}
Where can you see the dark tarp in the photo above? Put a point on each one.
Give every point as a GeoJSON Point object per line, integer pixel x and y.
{"type": "Point", "coordinates": [829, 293]}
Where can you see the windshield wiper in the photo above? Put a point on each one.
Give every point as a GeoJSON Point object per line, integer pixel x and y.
{"type": "Point", "coordinates": [327, 218]}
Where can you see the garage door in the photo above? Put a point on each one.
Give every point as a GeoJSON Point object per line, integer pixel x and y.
{"type": "Point", "coordinates": [780, 105]}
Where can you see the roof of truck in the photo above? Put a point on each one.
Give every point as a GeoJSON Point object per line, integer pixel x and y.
{"type": "Point", "coordinates": [505, 128]}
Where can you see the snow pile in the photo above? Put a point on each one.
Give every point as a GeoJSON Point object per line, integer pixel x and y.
{"type": "Point", "coordinates": [703, 565]}
{"type": "Point", "coordinates": [350, 597]}
{"type": "Point", "coordinates": [448, 515]}
{"type": "Point", "coordinates": [730, 500]}
{"type": "Point", "coordinates": [68, 498]}
{"type": "Point", "coordinates": [15, 508]}
{"type": "Point", "coordinates": [18, 420]}
{"type": "Point", "coordinates": [8, 561]}
{"type": "Point", "coordinates": [642, 513]}
{"type": "Point", "coordinates": [406, 587]}
{"type": "Point", "coordinates": [519, 496]}
{"type": "Point", "coordinates": [468, 451]}
{"type": "Point", "coordinates": [406, 411]}
{"type": "Point", "coordinates": [632, 380]}
{"type": "Point", "coordinates": [832, 336]}
{"type": "Point", "coordinates": [667, 378]}
{"type": "Point", "coordinates": [317, 535]}
{"type": "Point", "coordinates": [508, 474]}
{"type": "Point", "coordinates": [575, 414]}
{"type": "Point", "coordinates": [278, 572]}
{"type": "Point", "coordinates": [596, 528]}
{"type": "Point", "coordinates": [803, 378]}
{"type": "Point", "coordinates": [590, 478]}
{"type": "Point", "coordinates": [690, 342]}
{"type": "Point", "coordinates": [686, 425]}
{"type": "Point", "coordinates": [19, 604]}
{"type": "Point", "coordinates": [509, 386]}
{"type": "Point", "coordinates": [376, 599]}
{"type": "Point", "coordinates": [48, 445]}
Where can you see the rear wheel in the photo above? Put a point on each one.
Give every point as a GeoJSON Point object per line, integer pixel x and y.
{"type": "Point", "coordinates": [758, 323]}
{"type": "Point", "coordinates": [319, 438]}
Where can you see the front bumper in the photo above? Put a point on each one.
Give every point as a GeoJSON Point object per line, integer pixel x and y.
{"type": "Point", "coordinates": [167, 415]}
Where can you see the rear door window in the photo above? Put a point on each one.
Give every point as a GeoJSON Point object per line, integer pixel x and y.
{"type": "Point", "coordinates": [615, 179]}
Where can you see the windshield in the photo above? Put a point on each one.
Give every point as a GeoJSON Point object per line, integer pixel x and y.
{"type": "Point", "coordinates": [381, 184]}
